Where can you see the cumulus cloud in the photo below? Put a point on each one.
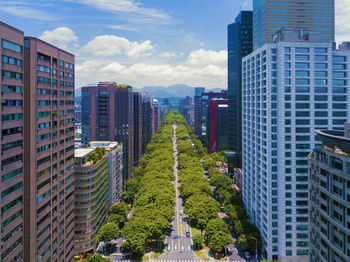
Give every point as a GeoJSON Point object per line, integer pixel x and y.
{"type": "Point", "coordinates": [60, 37]}
{"type": "Point", "coordinates": [342, 20]}
{"type": "Point", "coordinates": [169, 55]}
{"type": "Point", "coordinates": [111, 45]}
{"type": "Point", "coordinates": [206, 57]}
{"type": "Point", "coordinates": [212, 73]}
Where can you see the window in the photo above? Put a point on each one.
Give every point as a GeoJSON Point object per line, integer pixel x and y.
{"type": "Point", "coordinates": [13, 75]}
{"type": "Point", "coordinates": [299, 65]}
{"type": "Point", "coordinates": [321, 66]}
{"type": "Point", "coordinates": [300, 73]}
{"type": "Point", "coordinates": [302, 89]}
{"type": "Point", "coordinates": [302, 50]}
{"type": "Point", "coordinates": [339, 66]}
{"type": "Point", "coordinates": [11, 61]}
{"type": "Point", "coordinates": [321, 74]}
{"type": "Point", "coordinates": [339, 59]}
{"type": "Point", "coordinates": [302, 81]}
{"type": "Point", "coordinates": [12, 46]}
{"type": "Point", "coordinates": [11, 89]}
{"type": "Point", "coordinates": [320, 50]}
{"type": "Point", "coordinates": [320, 58]}
{"type": "Point", "coordinates": [302, 57]}
{"type": "Point", "coordinates": [11, 117]}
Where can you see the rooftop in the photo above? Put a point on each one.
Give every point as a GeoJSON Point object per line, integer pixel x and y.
{"type": "Point", "coordinates": [334, 139]}
{"type": "Point", "coordinates": [83, 152]}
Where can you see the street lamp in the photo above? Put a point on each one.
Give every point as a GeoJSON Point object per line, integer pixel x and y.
{"type": "Point", "coordinates": [256, 247]}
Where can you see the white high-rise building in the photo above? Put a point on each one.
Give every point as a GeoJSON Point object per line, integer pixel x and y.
{"type": "Point", "coordinates": [290, 88]}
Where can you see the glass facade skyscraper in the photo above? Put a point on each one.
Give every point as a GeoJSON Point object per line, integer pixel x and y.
{"type": "Point", "coordinates": [312, 15]}
{"type": "Point", "coordinates": [239, 44]}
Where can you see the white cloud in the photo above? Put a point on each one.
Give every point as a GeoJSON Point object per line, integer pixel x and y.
{"type": "Point", "coordinates": [111, 45]}
{"type": "Point", "coordinates": [126, 6]}
{"type": "Point", "coordinates": [206, 57]}
{"type": "Point", "coordinates": [211, 74]}
{"type": "Point", "coordinates": [60, 37]}
{"type": "Point", "coordinates": [342, 19]}
{"type": "Point", "coordinates": [169, 55]}
{"type": "Point", "coordinates": [27, 12]}
{"type": "Point", "coordinates": [123, 27]}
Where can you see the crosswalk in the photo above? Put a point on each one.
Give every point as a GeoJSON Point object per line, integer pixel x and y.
{"type": "Point", "coordinates": [173, 247]}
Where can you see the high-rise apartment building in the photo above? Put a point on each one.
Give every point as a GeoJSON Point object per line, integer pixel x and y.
{"type": "Point", "coordinates": [197, 109]}
{"type": "Point", "coordinates": [115, 169]}
{"type": "Point", "coordinates": [48, 152]}
{"type": "Point", "coordinates": [11, 183]}
{"type": "Point", "coordinates": [108, 115]}
{"type": "Point", "coordinates": [91, 194]}
{"type": "Point", "coordinates": [311, 15]}
{"type": "Point", "coordinates": [239, 44]}
{"type": "Point", "coordinates": [329, 197]}
{"type": "Point", "coordinates": [290, 88]}
{"type": "Point", "coordinates": [217, 119]}
{"type": "Point", "coordinates": [137, 128]}
{"type": "Point", "coordinates": [146, 120]}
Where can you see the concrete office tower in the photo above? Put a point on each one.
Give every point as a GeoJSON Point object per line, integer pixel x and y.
{"type": "Point", "coordinates": [115, 169]}
{"type": "Point", "coordinates": [289, 90]}
{"type": "Point", "coordinates": [108, 115]}
{"type": "Point", "coordinates": [11, 183]}
{"type": "Point", "coordinates": [48, 152]}
{"type": "Point", "coordinates": [329, 197]}
{"type": "Point", "coordinates": [311, 15]}
{"type": "Point", "coordinates": [217, 139]}
{"type": "Point", "coordinates": [137, 128]}
{"type": "Point", "coordinates": [146, 120]}
{"type": "Point", "coordinates": [91, 197]}
{"type": "Point", "coordinates": [239, 44]}
{"type": "Point", "coordinates": [197, 109]}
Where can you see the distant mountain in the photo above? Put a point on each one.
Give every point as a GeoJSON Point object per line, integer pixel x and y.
{"type": "Point", "coordinates": [178, 90]}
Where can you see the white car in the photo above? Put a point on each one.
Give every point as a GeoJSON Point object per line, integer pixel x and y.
{"type": "Point", "coordinates": [247, 254]}
{"type": "Point", "coordinates": [181, 212]}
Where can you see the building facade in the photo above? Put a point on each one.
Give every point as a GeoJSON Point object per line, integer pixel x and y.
{"type": "Point", "coordinates": [137, 128]}
{"type": "Point", "coordinates": [204, 111]}
{"type": "Point", "coordinates": [48, 152]}
{"type": "Point", "coordinates": [289, 89]}
{"type": "Point", "coordinates": [217, 138]}
{"type": "Point", "coordinates": [91, 198]}
{"type": "Point", "coordinates": [239, 44]}
{"type": "Point", "coordinates": [115, 169]}
{"type": "Point", "coordinates": [12, 136]}
{"type": "Point", "coordinates": [146, 120]}
{"type": "Point", "coordinates": [311, 15]}
{"type": "Point", "coordinates": [329, 197]}
{"type": "Point", "coordinates": [156, 109]}
{"type": "Point", "coordinates": [108, 115]}
{"type": "Point", "coordinates": [197, 109]}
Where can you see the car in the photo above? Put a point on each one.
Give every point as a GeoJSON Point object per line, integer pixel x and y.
{"type": "Point", "coordinates": [247, 254]}
{"type": "Point", "coordinates": [187, 234]}
{"type": "Point", "coordinates": [181, 212]}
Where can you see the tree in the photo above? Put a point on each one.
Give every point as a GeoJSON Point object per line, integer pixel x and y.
{"type": "Point", "coordinates": [249, 243]}
{"type": "Point", "coordinates": [135, 243]}
{"type": "Point", "coordinates": [198, 242]}
{"type": "Point", "coordinates": [120, 209]}
{"type": "Point", "coordinates": [108, 232]}
{"type": "Point", "coordinates": [96, 258]}
{"type": "Point", "coordinates": [219, 241]}
{"type": "Point", "coordinates": [119, 220]}
{"type": "Point", "coordinates": [216, 225]}
{"type": "Point", "coordinates": [242, 226]}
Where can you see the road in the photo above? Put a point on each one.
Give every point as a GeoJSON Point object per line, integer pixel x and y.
{"type": "Point", "coordinates": [178, 246]}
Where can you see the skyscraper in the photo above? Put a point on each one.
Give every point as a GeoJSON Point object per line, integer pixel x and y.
{"type": "Point", "coordinates": [11, 183]}
{"type": "Point", "coordinates": [329, 197]}
{"type": "Point", "coordinates": [155, 107]}
{"type": "Point", "coordinates": [290, 88]}
{"type": "Point", "coordinates": [239, 44]}
{"type": "Point", "coordinates": [197, 109]}
{"type": "Point", "coordinates": [137, 128]}
{"type": "Point", "coordinates": [311, 15]}
{"type": "Point", "coordinates": [48, 152]}
{"type": "Point", "coordinates": [108, 115]}
{"type": "Point", "coordinates": [146, 120]}
{"type": "Point", "coordinates": [217, 138]}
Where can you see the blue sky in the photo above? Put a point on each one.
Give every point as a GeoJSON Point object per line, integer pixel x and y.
{"type": "Point", "coordinates": [140, 42]}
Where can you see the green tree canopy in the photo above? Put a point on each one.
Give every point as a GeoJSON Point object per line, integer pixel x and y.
{"type": "Point", "coordinates": [216, 225]}
{"type": "Point", "coordinates": [108, 232]}
{"type": "Point", "coordinates": [96, 258]}
{"type": "Point", "coordinates": [219, 241]}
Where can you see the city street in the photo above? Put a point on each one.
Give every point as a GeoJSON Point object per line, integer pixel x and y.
{"type": "Point", "coordinates": [178, 246]}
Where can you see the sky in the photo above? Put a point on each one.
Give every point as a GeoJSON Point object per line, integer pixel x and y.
{"type": "Point", "coordinates": [141, 42]}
